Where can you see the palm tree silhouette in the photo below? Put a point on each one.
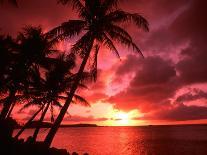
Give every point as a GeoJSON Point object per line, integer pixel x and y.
{"type": "Point", "coordinates": [32, 48]}
{"type": "Point", "coordinates": [56, 86]}
{"type": "Point", "coordinates": [99, 21]}
{"type": "Point", "coordinates": [52, 88]}
{"type": "Point", "coordinates": [7, 57]}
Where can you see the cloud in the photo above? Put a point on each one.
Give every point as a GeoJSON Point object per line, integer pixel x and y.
{"type": "Point", "coordinates": [97, 90]}
{"type": "Point", "coordinates": [191, 26]}
{"type": "Point", "coordinates": [192, 96]}
{"type": "Point", "coordinates": [179, 112]}
{"type": "Point", "coordinates": [153, 84]}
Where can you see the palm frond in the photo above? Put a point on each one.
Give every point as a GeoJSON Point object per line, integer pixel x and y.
{"type": "Point", "coordinates": [110, 45]}
{"type": "Point", "coordinates": [77, 5]}
{"type": "Point", "coordinates": [117, 29]}
{"type": "Point", "coordinates": [122, 16]}
{"type": "Point", "coordinates": [67, 29]}
{"type": "Point", "coordinates": [31, 103]}
{"type": "Point", "coordinates": [82, 45]}
{"type": "Point", "coordinates": [62, 97]}
{"type": "Point", "coordinates": [80, 100]}
{"type": "Point", "coordinates": [124, 38]}
{"type": "Point", "coordinates": [109, 5]}
{"type": "Point", "coordinates": [58, 104]}
{"type": "Point", "coordinates": [2, 101]}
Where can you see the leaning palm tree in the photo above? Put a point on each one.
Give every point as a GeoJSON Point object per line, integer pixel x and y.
{"type": "Point", "coordinates": [55, 88]}
{"type": "Point", "coordinates": [99, 25]}
{"type": "Point", "coordinates": [49, 90]}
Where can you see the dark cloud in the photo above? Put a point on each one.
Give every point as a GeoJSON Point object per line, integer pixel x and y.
{"type": "Point", "coordinates": [154, 83]}
{"type": "Point", "coordinates": [192, 96]}
{"type": "Point", "coordinates": [193, 67]}
{"type": "Point", "coordinates": [128, 65]}
{"type": "Point", "coordinates": [191, 26]}
{"type": "Point", "coordinates": [179, 112]}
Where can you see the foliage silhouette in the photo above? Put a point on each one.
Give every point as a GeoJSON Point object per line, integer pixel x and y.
{"type": "Point", "coordinates": [30, 50]}
{"type": "Point", "coordinates": [51, 89]}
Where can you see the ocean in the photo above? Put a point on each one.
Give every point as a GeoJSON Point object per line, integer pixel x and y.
{"type": "Point", "coordinates": [149, 140]}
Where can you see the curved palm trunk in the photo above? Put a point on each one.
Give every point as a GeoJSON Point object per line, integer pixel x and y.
{"type": "Point", "coordinates": [40, 122]}
{"type": "Point", "coordinates": [54, 128]}
{"type": "Point", "coordinates": [28, 123]}
{"type": "Point", "coordinates": [5, 110]}
{"type": "Point", "coordinates": [11, 109]}
{"type": "Point", "coordinates": [7, 105]}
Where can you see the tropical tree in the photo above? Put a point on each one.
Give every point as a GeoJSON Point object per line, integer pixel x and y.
{"type": "Point", "coordinates": [32, 49]}
{"type": "Point", "coordinates": [99, 25]}
{"type": "Point", "coordinates": [7, 60]}
{"type": "Point", "coordinates": [56, 87]}
{"type": "Point", "coordinates": [49, 90]}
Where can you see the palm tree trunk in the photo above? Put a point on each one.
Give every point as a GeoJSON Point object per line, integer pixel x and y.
{"type": "Point", "coordinates": [28, 123]}
{"type": "Point", "coordinates": [7, 105]}
{"type": "Point", "coordinates": [11, 109]}
{"type": "Point", "coordinates": [40, 122]}
{"type": "Point", "coordinates": [50, 136]}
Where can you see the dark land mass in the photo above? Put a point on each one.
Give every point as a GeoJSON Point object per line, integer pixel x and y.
{"type": "Point", "coordinates": [34, 124]}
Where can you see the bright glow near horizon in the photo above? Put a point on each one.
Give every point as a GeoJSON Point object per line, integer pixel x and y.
{"type": "Point", "coordinates": [120, 118]}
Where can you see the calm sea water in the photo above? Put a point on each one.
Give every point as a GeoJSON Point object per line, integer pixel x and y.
{"type": "Point", "coordinates": [152, 140]}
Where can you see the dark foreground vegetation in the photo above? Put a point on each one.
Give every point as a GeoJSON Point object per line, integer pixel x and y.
{"type": "Point", "coordinates": [13, 146]}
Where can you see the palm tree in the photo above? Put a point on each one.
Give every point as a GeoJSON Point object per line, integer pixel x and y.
{"type": "Point", "coordinates": [51, 89]}
{"type": "Point", "coordinates": [56, 86]}
{"type": "Point", "coordinates": [99, 25]}
{"type": "Point", "coordinates": [32, 49]}
{"type": "Point", "coordinates": [7, 59]}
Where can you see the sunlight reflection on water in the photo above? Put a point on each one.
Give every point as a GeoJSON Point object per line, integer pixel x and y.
{"type": "Point", "coordinates": [169, 140]}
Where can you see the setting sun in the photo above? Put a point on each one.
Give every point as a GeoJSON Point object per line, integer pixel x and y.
{"type": "Point", "coordinates": [121, 118]}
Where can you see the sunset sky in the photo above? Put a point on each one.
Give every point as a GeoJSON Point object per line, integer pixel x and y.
{"type": "Point", "coordinates": [168, 86]}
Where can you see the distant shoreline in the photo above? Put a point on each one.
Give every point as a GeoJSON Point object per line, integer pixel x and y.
{"type": "Point", "coordinates": [83, 125]}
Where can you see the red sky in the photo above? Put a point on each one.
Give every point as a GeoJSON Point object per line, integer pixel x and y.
{"type": "Point", "coordinates": [169, 86]}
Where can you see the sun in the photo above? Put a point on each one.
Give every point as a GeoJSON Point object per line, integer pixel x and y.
{"type": "Point", "coordinates": [121, 118]}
